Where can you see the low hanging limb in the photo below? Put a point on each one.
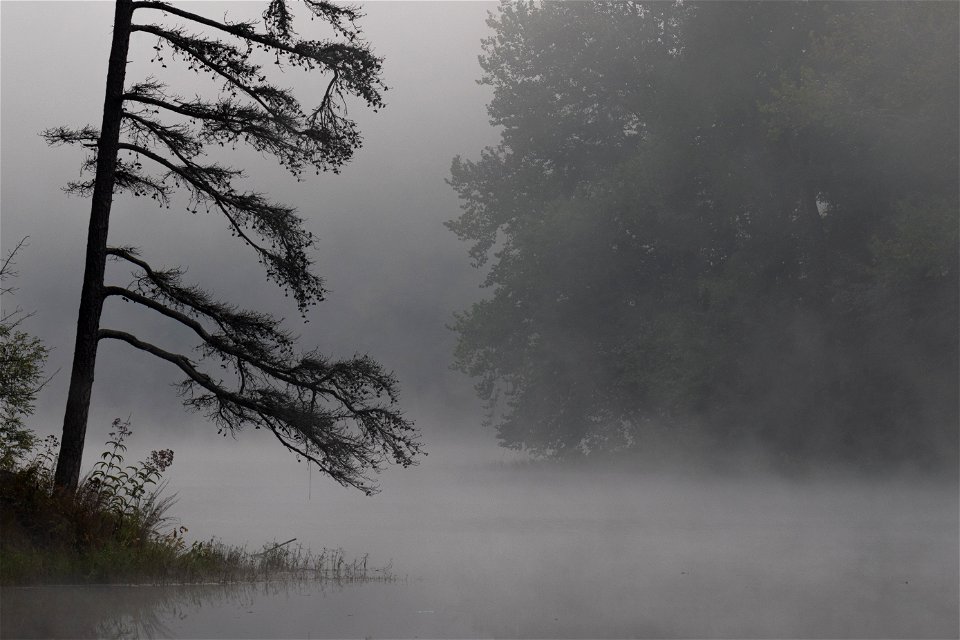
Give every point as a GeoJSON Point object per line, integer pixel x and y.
{"type": "Point", "coordinates": [317, 436]}
{"type": "Point", "coordinates": [340, 415]}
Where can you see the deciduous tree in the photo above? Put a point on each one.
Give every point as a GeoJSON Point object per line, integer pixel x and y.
{"type": "Point", "coordinates": [731, 220]}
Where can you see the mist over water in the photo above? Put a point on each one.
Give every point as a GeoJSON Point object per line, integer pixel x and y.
{"type": "Point", "coordinates": [498, 548]}
{"type": "Point", "coordinates": [488, 547]}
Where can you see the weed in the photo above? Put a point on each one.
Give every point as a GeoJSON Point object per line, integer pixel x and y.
{"type": "Point", "coordinates": [114, 528]}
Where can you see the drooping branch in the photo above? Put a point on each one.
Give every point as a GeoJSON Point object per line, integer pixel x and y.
{"type": "Point", "coordinates": [344, 442]}
{"type": "Point", "coordinates": [211, 180]}
{"type": "Point", "coordinates": [223, 121]}
{"type": "Point", "coordinates": [178, 138]}
{"type": "Point", "coordinates": [324, 138]}
{"type": "Point", "coordinates": [333, 394]}
{"type": "Point", "coordinates": [309, 53]}
{"type": "Point", "coordinates": [224, 343]}
{"type": "Point", "coordinates": [181, 361]}
{"type": "Point", "coordinates": [353, 61]}
{"type": "Point", "coordinates": [257, 334]}
{"type": "Point", "coordinates": [277, 224]}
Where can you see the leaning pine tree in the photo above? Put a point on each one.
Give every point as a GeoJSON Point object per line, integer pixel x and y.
{"type": "Point", "coordinates": [340, 415]}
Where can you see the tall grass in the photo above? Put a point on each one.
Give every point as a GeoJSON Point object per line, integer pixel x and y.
{"type": "Point", "coordinates": [115, 529]}
{"type": "Point", "coordinates": [216, 562]}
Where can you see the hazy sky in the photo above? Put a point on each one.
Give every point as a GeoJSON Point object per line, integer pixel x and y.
{"type": "Point", "coordinates": [395, 274]}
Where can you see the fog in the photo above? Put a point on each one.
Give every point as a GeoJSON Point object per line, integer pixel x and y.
{"type": "Point", "coordinates": [731, 522]}
{"type": "Point", "coordinates": [394, 272]}
{"type": "Point", "coordinates": [501, 550]}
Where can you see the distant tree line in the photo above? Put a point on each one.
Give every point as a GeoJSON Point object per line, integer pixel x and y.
{"type": "Point", "coordinates": [730, 223]}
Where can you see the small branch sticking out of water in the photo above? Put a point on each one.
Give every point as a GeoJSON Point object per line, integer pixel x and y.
{"type": "Point", "coordinates": [276, 546]}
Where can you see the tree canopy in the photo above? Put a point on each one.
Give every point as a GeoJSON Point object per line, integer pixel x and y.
{"type": "Point", "coordinates": [341, 415]}
{"type": "Point", "coordinates": [729, 222]}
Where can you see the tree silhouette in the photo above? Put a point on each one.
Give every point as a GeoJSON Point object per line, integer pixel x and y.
{"type": "Point", "coordinates": [714, 226]}
{"type": "Point", "coordinates": [339, 414]}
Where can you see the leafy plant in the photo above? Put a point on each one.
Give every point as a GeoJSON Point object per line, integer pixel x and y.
{"type": "Point", "coordinates": [22, 357]}
{"type": "Point", "coordinates": [125, 488]}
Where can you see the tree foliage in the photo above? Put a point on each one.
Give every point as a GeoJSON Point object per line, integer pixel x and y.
{"type": "Point", "coordinates": [338, 414]}
{"type": "Point", "coordinates": [22, 357]}
{"type": "Point", "coordinates": [729, 221]}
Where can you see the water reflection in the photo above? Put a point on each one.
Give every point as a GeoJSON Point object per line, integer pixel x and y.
{"type": "Point", "coordinates": [134, 611]}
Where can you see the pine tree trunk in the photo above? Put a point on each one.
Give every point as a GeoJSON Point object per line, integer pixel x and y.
{"type": "Point", "coordinates": [91, 296]}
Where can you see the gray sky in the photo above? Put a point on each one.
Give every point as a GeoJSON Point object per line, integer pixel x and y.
{"type": "Point", "coordinates": [395, 274]}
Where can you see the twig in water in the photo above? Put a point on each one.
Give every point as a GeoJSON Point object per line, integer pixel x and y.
{"type": "Point", "coordinates": [276, 546]}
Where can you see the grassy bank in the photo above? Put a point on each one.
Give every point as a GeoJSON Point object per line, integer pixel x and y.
{"type": "Point", "coordinates": [115, 529]}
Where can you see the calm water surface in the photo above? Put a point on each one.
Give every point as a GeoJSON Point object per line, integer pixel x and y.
{"type": "Point", "coordinates": [500, 551]}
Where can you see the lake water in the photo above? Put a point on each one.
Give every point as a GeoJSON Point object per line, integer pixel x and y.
{"type": "Point", "coordinates": [488, 550]}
